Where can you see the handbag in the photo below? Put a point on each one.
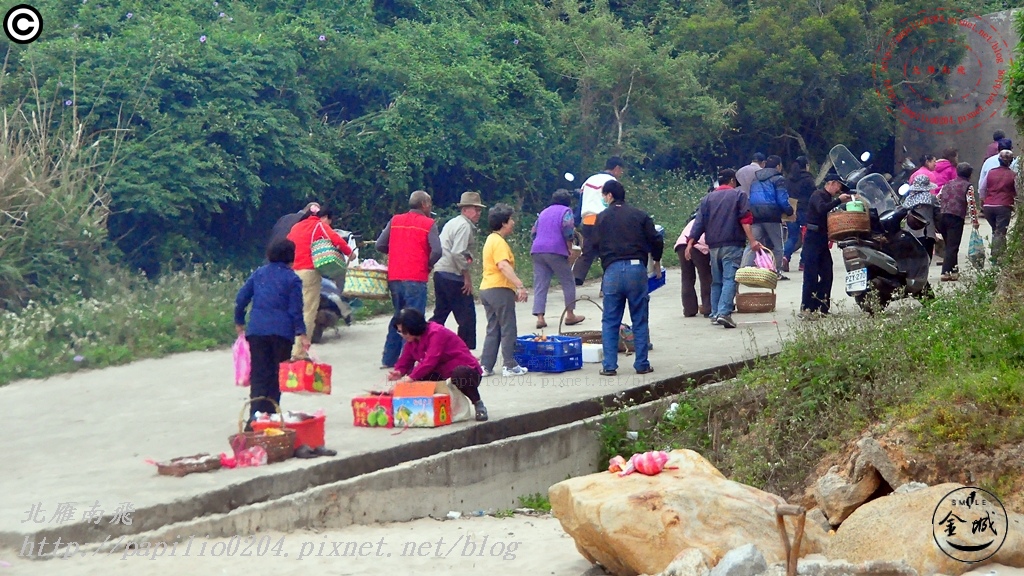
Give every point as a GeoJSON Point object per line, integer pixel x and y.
{"type": "Point", "coordinates": [327, 259]}
{"type": "Point", "coordinates": [976, 250]}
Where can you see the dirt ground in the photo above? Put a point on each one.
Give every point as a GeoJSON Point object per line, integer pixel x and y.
{"type": "Point", "coordinates": [464, 547]}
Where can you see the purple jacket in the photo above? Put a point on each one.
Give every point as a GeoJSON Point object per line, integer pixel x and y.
{"type": "Point", "coordinates": [554, 227]}
{"type": "Point", "coordinates": [438, 351]}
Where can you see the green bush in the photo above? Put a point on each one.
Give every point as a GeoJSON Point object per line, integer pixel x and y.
{"type": "Point", "coordinates": [129, 318]}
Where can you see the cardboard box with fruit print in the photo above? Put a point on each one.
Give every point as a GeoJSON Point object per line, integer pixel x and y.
{"type": "Point", "coordinates": [373, 411]}
{"type": "Point", "coordinates": [417, 406]}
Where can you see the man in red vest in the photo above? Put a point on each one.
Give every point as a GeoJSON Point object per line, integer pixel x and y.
{"type": "Point", "coordinates": [413, 246]}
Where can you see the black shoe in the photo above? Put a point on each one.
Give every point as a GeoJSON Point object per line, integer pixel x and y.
{"type": "Point", "coordinates": [647, 370]}
{"type": "Point", "coordinates": [305, 452]}
{"type": "Point", "coordinates": [727, 321]}
{"type": "Point", "coordinates": [481, 411]}
{"type": "Point", "coordinates": [324, 451]}
{"type": "Point", "coordinates": [609, 373]}
{"type": "Point", "coordinates": [579, 282]}
{"type": "Point", "coordinates": [781, 277]}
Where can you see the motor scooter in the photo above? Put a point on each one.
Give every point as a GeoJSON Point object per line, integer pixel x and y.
{"type": "Point", "coordinates": [889, 262]}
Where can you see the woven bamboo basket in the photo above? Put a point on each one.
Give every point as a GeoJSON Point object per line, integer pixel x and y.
{"type": "Point", "coordinates": [185, 465]}
{"type": "Point", "coordinates": [366, 284]}
{"type": "Point", "coordinates": [589, 336]}
{"type": "Point", "coordinates": [755, 302]}
{"type": "Point", "coordinates": [754, 277]}
{"type": "Point", "coordinates": [842, 225]}
{"type": "Point", "coordinates": [279, 448]}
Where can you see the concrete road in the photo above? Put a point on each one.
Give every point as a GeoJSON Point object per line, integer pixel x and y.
{"type": "Point", "coordinates": [79, 442]}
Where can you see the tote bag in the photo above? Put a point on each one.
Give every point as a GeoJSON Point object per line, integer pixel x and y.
{"type": "Point", "coordinates": [327, 259]}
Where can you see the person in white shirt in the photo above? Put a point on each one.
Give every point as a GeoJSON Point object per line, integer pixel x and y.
{"type": "Point", "coordinates": [592, 205]}
{"type": "Point", "coordinates": [746, 175]}
{"type": "Point", "coordinates": [993, 162]}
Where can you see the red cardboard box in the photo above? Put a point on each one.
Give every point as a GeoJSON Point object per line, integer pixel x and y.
{"type": "Point", "coordinates": [304, 376]}
{"type": "Point", "coordinates": [417, 406]}
{"type": "Point", "coordinates": [377, 404]}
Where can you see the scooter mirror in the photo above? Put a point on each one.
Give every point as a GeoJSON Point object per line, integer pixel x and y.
{"type": "Point", "coordinates": [569, 176]}
{"type": "Point", "coordinates": [904, 189]}
{"type": "Point", "coordinates": [865, 156]}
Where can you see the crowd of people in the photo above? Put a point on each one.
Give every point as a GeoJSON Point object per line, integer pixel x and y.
{"type": "Point", "coordinates": [746, 213]}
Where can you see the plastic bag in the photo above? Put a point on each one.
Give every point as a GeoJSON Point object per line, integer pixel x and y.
{"type": "Point", "coordinates": [243, 361]}
{"type": "Point", "coordinates": [764, 260]}
{"type": "Point", "coordinates": [976, 250]}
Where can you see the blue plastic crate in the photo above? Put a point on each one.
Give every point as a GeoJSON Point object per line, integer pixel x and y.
{"type": "Point", "coordinates": [655, 283]}
{"type": "Point", "coordinates": [550, 363]}
{"type": "Point", "coordinates": [554, 346]}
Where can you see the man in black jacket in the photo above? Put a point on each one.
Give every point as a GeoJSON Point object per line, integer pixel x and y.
{"type": "Point", "coordinates": [625, 238]}
{"type": "Point", "coordinates": [801, 186]}
{"type": "Point", "coordinates": [817, 259]}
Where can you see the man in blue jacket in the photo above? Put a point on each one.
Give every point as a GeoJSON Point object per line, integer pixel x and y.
{"type": "Point", "coordinates": [769, 200]}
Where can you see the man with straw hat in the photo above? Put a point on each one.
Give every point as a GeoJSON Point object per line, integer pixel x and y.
{"type": "Point", "coordinates": [453, 286]}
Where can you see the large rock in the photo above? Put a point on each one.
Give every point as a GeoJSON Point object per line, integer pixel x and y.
{"type": "Point", "coordinates": [742, 561]}
{"type": "Point", "coordinates": [898, 527]}
{"type": "Point", "coordinates": [838, 499]}
{"type": "Point", "coordinates": [689, 562]}
{"type": "Point", "coordinates": [873, 454]}
{"type": "Point", "coordinates": [637, 524]}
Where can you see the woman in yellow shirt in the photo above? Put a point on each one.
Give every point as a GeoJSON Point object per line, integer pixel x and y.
{"type": "Point", "coordinates": [500, 289]}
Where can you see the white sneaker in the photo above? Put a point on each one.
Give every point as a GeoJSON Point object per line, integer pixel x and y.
{"type": "Point", "coordinates": [487, 373]}
{"type": "Point", "coordinates": [513, 371]}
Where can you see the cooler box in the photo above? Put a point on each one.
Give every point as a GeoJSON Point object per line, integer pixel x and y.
{"type": "Point", "coordinates": [374, 410]}
{"type": "Point", "coordinates": [309, 432]}
{"type": "Point", "coordinates": [417, 406]}
{"type": "Point", "coordinates": [593, 353]}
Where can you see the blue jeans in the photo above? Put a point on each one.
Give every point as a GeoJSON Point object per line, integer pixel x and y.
{"type": "Point", "coordinates": [725, 261]}
{"type": "Point", "coordinates": [404, 294]}
{"type": "Point", "coordinates": [624, 282]}
{"type": "Point", "coordinates": [793, 240]}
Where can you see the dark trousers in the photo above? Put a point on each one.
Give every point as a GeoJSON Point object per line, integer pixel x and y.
{"type": "Point", "coordinates": [582, 266]}
{"type": "Point", "coordinates": [267, 353]}
{"type": "Point", "coordinates": [817, 261]}
{"type": "Point", "coordinates": [699, 267]}
{"type": "Point", "coordinates": [449, 299]}
{"type": "Point", "coordinates": [999, 219]}
{"type": "Point", "coordinates": [951, 227]}
{"type": "Point", "coordinates": [465, 378]}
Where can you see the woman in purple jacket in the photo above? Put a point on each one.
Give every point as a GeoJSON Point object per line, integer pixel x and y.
{"type": "Point", "coordinates": [434, 353]}
{"type": "Point", "coordinates": [552, 240]}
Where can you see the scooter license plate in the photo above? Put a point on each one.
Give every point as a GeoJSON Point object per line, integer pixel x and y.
{"type": "Point", "coordinates": [857, 280]}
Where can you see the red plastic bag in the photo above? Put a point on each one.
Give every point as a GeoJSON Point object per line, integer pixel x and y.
{"type": "Point", "coordinates": [243, 361]}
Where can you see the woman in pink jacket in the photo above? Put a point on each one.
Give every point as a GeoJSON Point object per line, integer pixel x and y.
{"type": "Point", "coordinates": [699, 266]}
{"type": "Point", "coordinates": [945, 168]}
{"type": "Point", "coordinates": [927, 168]}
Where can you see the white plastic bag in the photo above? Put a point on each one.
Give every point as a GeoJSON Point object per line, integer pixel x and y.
{"type": "Point", "coordinates": [462, 408]}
